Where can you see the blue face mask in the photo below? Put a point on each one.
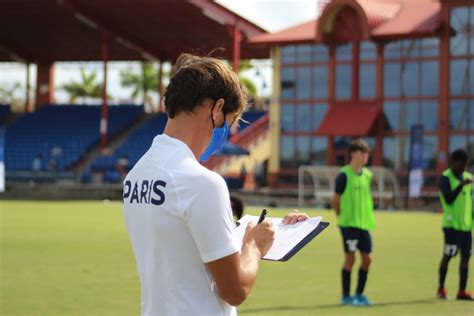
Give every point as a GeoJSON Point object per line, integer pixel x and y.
{"type": "Point", "coordinates": [219, 137]}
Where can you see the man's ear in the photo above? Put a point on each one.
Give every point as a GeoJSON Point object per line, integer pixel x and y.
{"type": "Point", "coordinates": [219, 105]}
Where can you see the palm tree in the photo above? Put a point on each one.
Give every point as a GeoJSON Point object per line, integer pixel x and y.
{"type": "Point", "coordinates": [248, 83]}
{"type": "Point", "coordinates": [7, 93]}
{"type": "Point", "coordinates": [87, 87]}
{"type": "Point", "coordinates": [142, 84]}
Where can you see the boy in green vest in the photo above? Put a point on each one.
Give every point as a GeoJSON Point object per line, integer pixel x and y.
{"type": "Point", "coordinates": [456, 199]}
{"type": "Point", "coordinates": [353, 204]}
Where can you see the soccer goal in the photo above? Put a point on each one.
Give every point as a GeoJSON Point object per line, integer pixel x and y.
{"type": "Point", "coordinates": [316, 186]}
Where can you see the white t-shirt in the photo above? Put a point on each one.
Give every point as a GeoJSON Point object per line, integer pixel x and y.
{"type": "Point", "coordinates": [178, 217]}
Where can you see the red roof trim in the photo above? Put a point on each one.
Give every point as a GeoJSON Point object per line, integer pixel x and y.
{"type": "Point", "coordinates": [408, 19]}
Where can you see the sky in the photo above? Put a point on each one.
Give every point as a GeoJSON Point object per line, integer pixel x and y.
{"type": "Point", "coordinates": [272, 15]}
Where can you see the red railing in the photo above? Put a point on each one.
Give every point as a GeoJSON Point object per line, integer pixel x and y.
{"type": "Point", "coordinates": [243, 139]}
{"type": "Point", "coordinates": [251, 133]}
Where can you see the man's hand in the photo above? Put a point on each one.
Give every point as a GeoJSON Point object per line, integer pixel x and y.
{"type": "Point", "coordinates": [262, 235]}
{"type": "Point", "coordinates": [294, 217]}
{"type": "Point", "coordinates": [466, 182]}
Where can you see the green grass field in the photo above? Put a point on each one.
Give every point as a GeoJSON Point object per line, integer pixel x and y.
{"type": "Point", "coordinates": [74, 258]}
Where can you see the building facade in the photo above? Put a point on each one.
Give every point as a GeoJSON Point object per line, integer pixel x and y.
{"type": "Point", "coordinates": [373, 69]}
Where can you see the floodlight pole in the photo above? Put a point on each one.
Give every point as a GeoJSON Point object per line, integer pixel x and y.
{"type": "Point", "coordinates": [104, 113]}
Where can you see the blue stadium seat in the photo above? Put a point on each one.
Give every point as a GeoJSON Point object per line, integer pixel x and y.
{"type": "Point", "coordinates": [63, 133]}
{"type": "Point", "coordinates": [140, 140]}
{"type": "Point", "coordinates": [134, 147]}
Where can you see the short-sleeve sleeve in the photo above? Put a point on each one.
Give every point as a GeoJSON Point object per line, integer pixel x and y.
{"type": "Point", "coordinates": [341, 181]}
{"type": "Point", "coordinates": [209, 219]}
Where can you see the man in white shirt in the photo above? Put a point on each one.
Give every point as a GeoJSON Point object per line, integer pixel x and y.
{"type": "Point", "coordinates": [178, 213]}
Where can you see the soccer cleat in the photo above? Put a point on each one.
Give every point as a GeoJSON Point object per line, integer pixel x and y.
{"type": "Point", "coordinates": [442, 294]}
{"type": "Point", "coordinates": [464, 296]}
{"type": "Point", "coordinates": [361, 300]}
{"type": "Point", "coordinates": [347, 300]}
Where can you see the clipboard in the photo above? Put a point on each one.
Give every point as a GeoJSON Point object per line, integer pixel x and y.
{"type": "Point", "coordinates": [322, 226]}
{"type": "Point", "coordinates": [289, 239]}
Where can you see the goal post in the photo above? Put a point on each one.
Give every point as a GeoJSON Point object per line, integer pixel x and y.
{"type": "Point", "coordinates": [318, 184]}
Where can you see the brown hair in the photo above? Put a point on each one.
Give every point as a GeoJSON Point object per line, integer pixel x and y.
{"type": "Point", "coordinates": [194, 79]}
{"type": "Point", "coordinates": [358, 145]}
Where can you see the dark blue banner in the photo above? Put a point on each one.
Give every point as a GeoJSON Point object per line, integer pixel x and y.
{"type": "Point", "coordinates": [416, 161]}
{"type": "Point", "coordinates": [416, 147]}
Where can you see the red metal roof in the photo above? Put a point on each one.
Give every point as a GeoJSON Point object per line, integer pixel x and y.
{"type": "Point", "coordinates": [69, 30]}
{"type": "Point", "coordinates": [349, 120]}
{"type": "Point", "coordinates": [417, 18]}
{"type": "Point", "coordinates": [385, 18]}
{"type": "Point", "coordinates": [379, 12]}
{"type": "Point", "coordinates": [300, 33]}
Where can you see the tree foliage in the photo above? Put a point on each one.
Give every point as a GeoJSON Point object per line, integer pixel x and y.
{"type": "Point", "coordinates": [86, 87]}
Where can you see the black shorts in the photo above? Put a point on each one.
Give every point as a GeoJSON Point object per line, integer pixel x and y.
{"type": "Point", "coordinates": [455, 240]}
{"type": "Point", "coordinates": [355, 238]}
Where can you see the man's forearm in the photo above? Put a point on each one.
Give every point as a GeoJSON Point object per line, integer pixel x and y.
{"type": "Point", "coordinates": [235, 275]}
{"type": "Point", "coordinates": [249, 263]}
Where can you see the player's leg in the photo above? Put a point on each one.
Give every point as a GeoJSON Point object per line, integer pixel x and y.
{"type": "Point", "coordinates": [450, 250]}
{"type": "Point", "coordinates": [465, 246]}
{"type": "Point", "coordinates": [350, 241]}
{"type": "Point", "coordinates": [365, 247]}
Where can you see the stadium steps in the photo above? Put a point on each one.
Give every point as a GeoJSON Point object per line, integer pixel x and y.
{"type": "Point", "coordinates": [259, 152]}
{"type": "Point", "coordinates": [114, 143]}
{"type": "Point", "coordinates": [255, 138]}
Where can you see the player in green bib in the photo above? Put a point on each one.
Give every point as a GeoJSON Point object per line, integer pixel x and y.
{"type": "Point", "coordinates": [353, 204]}
{"type": "Point", "coordinates": [456, 200]}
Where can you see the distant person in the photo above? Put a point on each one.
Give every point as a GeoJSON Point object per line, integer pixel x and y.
{"type": "Point", "coordinates": [264, 173]}
{"type": "Point", "coordinates": [56, 151]}
{"type": "Point", "coordinates": [37, 164]}
{"type": "Point", "coordinates": [237, 207]}
{"type": "Point", "coordinates": [178, 213]}
{"type": "Point", "coordinates": [257, 174]}
{"type": "Point", "coordinates": [52, 165]}
{"type": "Point", "coordinates": [122, 166]}
{"type": "Point", "coordinates": [456, 199]}
{"type": "Point", "coordinates": [243, 174]}
{"type": "Point", "coordinates": [353, 204]}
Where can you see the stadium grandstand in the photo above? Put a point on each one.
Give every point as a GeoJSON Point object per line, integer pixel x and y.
{"type": "Point", "coordinates": [63, 145]}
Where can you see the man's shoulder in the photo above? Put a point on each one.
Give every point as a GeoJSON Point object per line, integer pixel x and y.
{"type": "Point", "coordinates": [367, 172]}
{"type": "Point", "coordinates": [344, 169]}
{"type": "Point", "coordinates": [196, 175]}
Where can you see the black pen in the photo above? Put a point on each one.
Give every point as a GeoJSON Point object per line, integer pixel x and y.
{"type": "Point", "coordinates": [262, 216]}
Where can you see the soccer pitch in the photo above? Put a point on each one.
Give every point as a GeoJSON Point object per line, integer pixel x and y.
{"type": "Point", "coordinates": [74, 258]}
